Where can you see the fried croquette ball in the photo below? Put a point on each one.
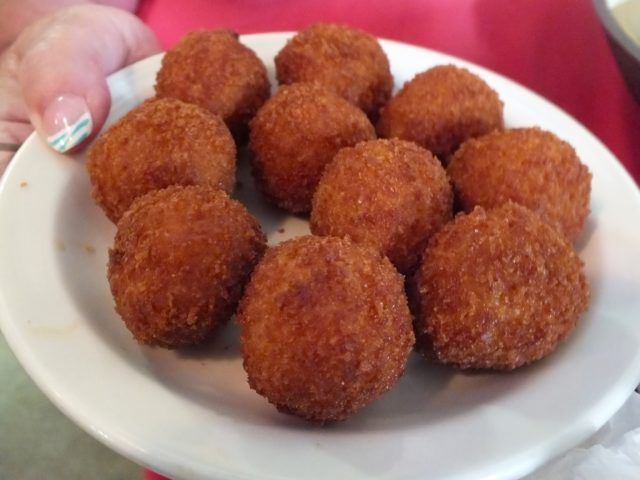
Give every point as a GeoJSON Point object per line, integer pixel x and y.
{"type": "Point", "coordinates": [440, 108]}
{"type": "Point", "coordinates": [497, 289]}
{"type": "Point", "coordinates": [161, 142]}
{"type": "Point", "coordinates": [348, 61]}
{"type": "Point", "coordinates": [390, 194]}
{"type": "Point", "coordinates": [325, 327]}
{"type": "Point", "coordinates": [529, 166]}
{"type": "Point", "coordinates": [214, 70]}
{"type": "Point", "coordinates": [295, 135]}
{"type": "Point", "coordinates": [180, 260]}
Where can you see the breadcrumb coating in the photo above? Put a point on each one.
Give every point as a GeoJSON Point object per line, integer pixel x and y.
{"type": "Point", "coordinates": [325, 327]}
{"type": "Point", "coordinates": [295, 135]}
{"type": "Point", "coordinates": [497, 289]}
{"type": "Point", "coordinates": [180, 260]}
{"type": "Point", "coordinates": [214, 70]}
{"type": "Point", "coordinates": [159, 143]}
{"type": "Point", "coordinates": [390, 194]}
{"type": "Point", "coordinates": [346, 60]}
{"type": "Point", "coordinates": [441, 108]}
{"type": "Point", "coordinates": [529, 166]}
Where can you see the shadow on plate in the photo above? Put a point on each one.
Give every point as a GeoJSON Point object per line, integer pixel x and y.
{"type": "Point", "coordinates": [277, 224]}
{"type": "Point", "coordinates": [428, 393]}
{"type": "Point", "coordinates": [590, 228]}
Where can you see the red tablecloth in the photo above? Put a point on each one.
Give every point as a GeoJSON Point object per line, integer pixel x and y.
{"type": "Point", "coordinates": [556, 48]}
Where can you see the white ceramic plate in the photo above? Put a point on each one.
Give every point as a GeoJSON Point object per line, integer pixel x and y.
{"type": "Point", "coordinates": [192, 415]}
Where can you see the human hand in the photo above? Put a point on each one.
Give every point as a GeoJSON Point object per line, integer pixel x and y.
{"type": "Point", "coordinates": [53, 77]}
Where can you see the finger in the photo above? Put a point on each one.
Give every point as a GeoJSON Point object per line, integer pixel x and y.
{"type": "Point", "coordinates": [14, 123]}
{"type": "Point", "coordinates": [12, 135]}
{"type": "Point", "coordinates": [24, 12]}
{"type": "Point", "coordinates": [63, 64]}
{"type": "Point", "coordinates": [5, 157]}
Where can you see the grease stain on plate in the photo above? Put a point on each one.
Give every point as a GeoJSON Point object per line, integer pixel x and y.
{"type": "Point", "coordinates": [53, 329]}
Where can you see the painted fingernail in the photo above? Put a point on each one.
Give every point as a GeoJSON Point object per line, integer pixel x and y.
{"type": "Point", "coordinates": [67, 122]}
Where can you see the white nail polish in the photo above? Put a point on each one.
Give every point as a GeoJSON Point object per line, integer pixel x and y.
{"type": "Point", "coordinates": [69, 120]}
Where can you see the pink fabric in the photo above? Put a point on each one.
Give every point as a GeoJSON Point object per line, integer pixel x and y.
{"type": "Point", "coordinates": [556, 48]}
{"type": "Point", "coordinates": [149, 475]}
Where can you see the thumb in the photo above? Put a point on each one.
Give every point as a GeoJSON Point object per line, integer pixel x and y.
{"type": "Point", "coordinates": [63, 63]}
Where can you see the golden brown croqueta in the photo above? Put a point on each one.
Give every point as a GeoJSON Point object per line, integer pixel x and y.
{"type": "Point", "coordinates": [215, 70]}
{"type": "Point", "coordinates": [529, 166]}
{"type": "Point", "coordinates": [441, 108]}
{"type": "Point", "coordinates": [497, 289]}
{"type": "Point", "coordinates": [390, 194]}
{"type": "Point", "coordinates": [161, 142]}
{"type": "Point", "coordinates": [346, 60]}
{"type": "Point", "coordinates": [180, 260]}
{"type": "Point", "coordinates": [295, 135]}
{"type": "Point", "coordinates": [325, 327]}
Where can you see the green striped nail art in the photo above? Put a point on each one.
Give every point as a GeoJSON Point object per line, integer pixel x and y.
{"type": "Point", "coordinates": [71, 135]}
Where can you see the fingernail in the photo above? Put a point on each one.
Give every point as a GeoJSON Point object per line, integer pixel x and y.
{"type": "Point", "coordinates": [67, 122]}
